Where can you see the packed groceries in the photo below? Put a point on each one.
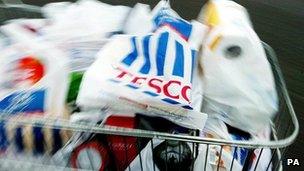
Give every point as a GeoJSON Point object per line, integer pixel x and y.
{"type": "Point", "coordinates": [235, 66]}
{"type": "Point", "coordinates": [136, 68]}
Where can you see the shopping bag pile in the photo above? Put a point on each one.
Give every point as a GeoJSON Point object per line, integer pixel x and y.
{"type": "Point", "coordinates": [136, 68]}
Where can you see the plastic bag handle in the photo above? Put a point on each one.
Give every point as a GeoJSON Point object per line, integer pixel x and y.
{"type": "Point", "coordinates": [168, 2]}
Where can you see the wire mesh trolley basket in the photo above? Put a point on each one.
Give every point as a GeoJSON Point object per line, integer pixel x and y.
{"type": "Point", "coordinates": [284, 131]}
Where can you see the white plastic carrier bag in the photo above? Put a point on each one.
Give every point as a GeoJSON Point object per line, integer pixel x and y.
{"type": "Point", "coordinates": [154, 72]}
{"type": "Point", "coordinates": [82, 28]}
{"type": "Point", "coordinates": [33, 77]}
{"type": "Point", "coordinates": [239, 86]}
{"type": "Point", "coordinates": [86, 19]}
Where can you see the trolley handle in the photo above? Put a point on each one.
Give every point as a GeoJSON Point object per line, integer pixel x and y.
{"type": "Point", "coordinates": [272, 58]}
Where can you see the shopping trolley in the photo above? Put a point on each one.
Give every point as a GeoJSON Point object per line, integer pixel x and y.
{"type": "Point", "coordinates": [284, 127]}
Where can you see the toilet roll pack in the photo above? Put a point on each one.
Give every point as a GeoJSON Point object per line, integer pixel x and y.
{"type": "Point", "coordinates": [238, 82]}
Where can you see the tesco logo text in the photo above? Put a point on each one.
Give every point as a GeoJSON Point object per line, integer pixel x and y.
{"type": "Point", "coordinates": [173, 88]}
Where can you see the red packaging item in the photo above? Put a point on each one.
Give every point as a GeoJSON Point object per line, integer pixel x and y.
{"type": "Point", "coordinates": [98, 156]}
{"type": "Point", "coordinates": [123, 148]}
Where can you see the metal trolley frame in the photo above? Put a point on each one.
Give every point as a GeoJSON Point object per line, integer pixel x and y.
{"type": "Point", "coordinates": [285, 126]}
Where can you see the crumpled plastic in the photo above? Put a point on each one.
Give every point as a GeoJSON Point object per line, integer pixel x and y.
{"type": "Point", "coordinates": [239, 86]}
{"type": "Point", "coordinates": [142, 72]}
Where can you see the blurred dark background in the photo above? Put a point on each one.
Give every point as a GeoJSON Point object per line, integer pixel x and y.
{"type": "Point", "coordinates": [280, 23]}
